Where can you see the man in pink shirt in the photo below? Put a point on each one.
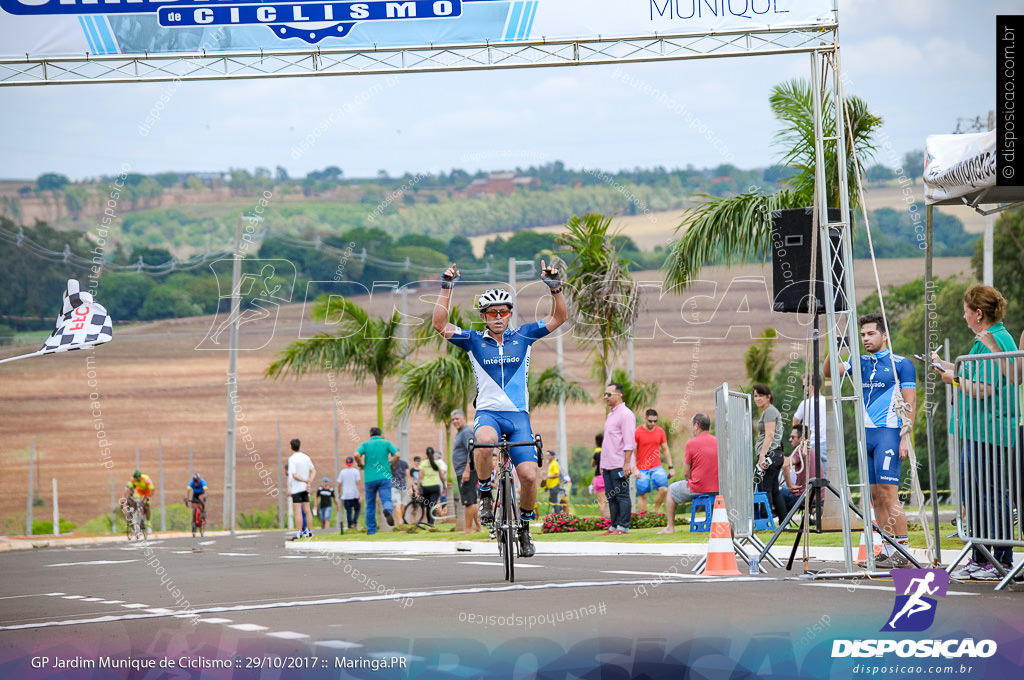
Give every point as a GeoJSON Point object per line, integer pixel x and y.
{"type": "Point", "coordinates": [700, 469]}
{"type": "Point", "coordinates": [616, 451]}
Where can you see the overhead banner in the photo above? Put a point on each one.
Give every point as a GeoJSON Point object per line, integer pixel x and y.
{"type": "Point", "coordinates": [958, 165]}
{"type": "Point", "coordinates": [38, 29]}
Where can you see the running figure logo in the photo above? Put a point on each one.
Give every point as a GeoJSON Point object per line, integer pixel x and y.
{"type": "Point", "coordinates": [264, 285]}
{"type": "Point", "coordinates": [914, 610]}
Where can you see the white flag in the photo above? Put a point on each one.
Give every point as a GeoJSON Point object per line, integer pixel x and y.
{"type": "Point", "coordinates": [82, 322]}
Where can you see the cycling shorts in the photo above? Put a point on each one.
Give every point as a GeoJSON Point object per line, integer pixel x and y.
{"type": "Point", "coordinates": [883, 445]}
{"type": "Point", "coordinates": [513, 424]}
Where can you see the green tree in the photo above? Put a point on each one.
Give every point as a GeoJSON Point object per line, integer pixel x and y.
{"type": "Point", "coordinates": [604, 300]}
{"type": "Point", "coordinates": [52, 181]}
{"type": "Point", "coordinates": [758, 360]}
{"type": "Point", "coordinates": [739, 228]}
{"type": "Point", "coordinates": [637, 395]}
{"type": "Point", "coordinates": [361, 346]}
{"type": "Point", "coordinates": [1007, 274]}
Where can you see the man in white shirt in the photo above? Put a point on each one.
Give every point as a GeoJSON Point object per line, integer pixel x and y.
{"type": "Point", "coordinates": [300, 475]}
{"type": "Point", "coordinates": [805, 416]}
{"type": "Point", "coordinates": [350, 484]}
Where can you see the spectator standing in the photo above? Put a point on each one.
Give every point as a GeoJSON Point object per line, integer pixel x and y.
{"type": "Point", "coordinates": [805, 416]}
{"type": "Point", "coordinates": [400, 495]}
{"type": "Point", "coordinates": [651, 443]}
{"type": "Point", "coordinates": [465, 471]}
{"type": "Point", "coordinates": [375, 456]}
{"type": "Point", "coordinates": [430, 484]}
{"type": "Point", "coordinates": [325, 502]}
{"type": "Point", "coordinates": [700, 469]}
{"type": "Point", "coordinates": [616, 451]}
{"type": "Point", "coordinates": [350, 490]}
{"type": "Point", "coordinates": [597, 486]}
{"type": "Point", "coordinates": [988, 416]}
{"type": "Point", "coordinates": [553, 480]}
{"type": "Point", "coordinates": [768, 448]}
{"type": "Point", "coordinates": [300, 475]}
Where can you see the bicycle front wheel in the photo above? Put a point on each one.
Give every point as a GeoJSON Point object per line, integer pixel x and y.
{"type": "Point", "coordinates": [508, 525]}
{"type": "Point", "coordinates": [413, 513]}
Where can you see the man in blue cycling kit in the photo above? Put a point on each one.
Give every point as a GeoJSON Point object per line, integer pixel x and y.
{"type": "Point", "coordinates": [197, 487]}
{"type": "Point", "coordinates": [886, 449]}
{"type": "Point", "coordinates": [501, 362]}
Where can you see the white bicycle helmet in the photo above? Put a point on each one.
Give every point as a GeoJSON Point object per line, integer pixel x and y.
{"type": "Point", "coordinates": [495, 296]}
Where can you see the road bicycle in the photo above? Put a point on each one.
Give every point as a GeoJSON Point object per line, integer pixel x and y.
{"type": "Point", "coordinates": [135, 518]}
{"type": "Point", "coordinates": [198, 517]}
{"type": "Point", "coordinates": [507, 523]}
{"type": "Point", "coordinates": [416, 511]}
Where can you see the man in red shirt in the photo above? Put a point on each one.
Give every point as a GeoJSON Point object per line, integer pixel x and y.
{"type": "Point", "coordinates": [700, 469]}
{"type": "Point", "coordinates": [650, 443]}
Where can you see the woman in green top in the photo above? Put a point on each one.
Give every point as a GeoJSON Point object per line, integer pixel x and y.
{"type": "Point", "coordinates": [769, 449]}
{"type": "Point", "coordinates": [987, 423]}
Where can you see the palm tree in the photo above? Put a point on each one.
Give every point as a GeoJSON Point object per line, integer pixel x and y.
{"type": "Point", "coordinates": [362, 346]}
{"type": "Point", "coordinates": [739, 227]}
{"type": "Point", "coordinates": [637, 395]}
{"type": "Point", "coordinates": [551, 385]}
{"type": "Point", "coordinates": [604, 301]}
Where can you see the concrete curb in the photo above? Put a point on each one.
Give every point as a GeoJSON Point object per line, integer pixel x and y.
{"type": "Point", "coordinates": [8, 543]}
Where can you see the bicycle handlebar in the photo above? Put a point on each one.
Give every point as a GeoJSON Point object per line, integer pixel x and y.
{"type": "Point", "coordinates": [495, 445]}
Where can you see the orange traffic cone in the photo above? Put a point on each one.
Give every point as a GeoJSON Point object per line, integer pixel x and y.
{"type": "Point", "coordinates": [876, 540]}
{"type": "Point", "coordinates": [721, 560]}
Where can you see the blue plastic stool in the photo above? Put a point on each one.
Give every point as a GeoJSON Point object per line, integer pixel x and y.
{"type": "Point", "coordinates": [707, 502]}
{"type": "Point", "coordinates": [763, 520]}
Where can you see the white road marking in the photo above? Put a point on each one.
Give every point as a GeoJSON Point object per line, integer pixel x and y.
{"type": "Point", "coordinates": [887, 589]}
{"type": "Point", "coordinates": [244, 536]}
{"type": "Point", "coordinates": [288, 635]}
{"type": "Point", "coordinates": [76, 564]}
{"type": "Point", "coordinates": [500, 564]}
{"type": "Point", "coordinates": [73, 597]}
{"type": "Point", "coordinates": [392, 559]}
{"type": "Point", "coordinates": [301, 557]}
{"type": "Point", "coordinates": [215, 620]}
{"type": "Point", "coordinates": [92, 599]}
{"type": "Point", "coordinates": [238, 554]}
{"type": "Point", "coordinates": [135, 606]}
{"type": "Point", "coordinates": [160, 610]}
{"type": "Point", "coordinates": [207, 542]}
{"type": "Point", "coordinates": [248, 627]}
{"type": "Point", "coordinates": [112, 602]}
{"type": "Point", "coordinates": [655, 574]}
{"type": "Point", "coordinates": [337, 644]}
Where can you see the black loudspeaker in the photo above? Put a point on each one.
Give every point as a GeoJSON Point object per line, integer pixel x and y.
{"type": "Point", "coordinates": [791, 262]}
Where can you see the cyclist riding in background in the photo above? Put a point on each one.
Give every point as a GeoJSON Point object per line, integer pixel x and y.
{"type": "Point", "coordinates": [141, 486]}
{"type": "Point", "coordinates": [500, 357]}
{"type": "Point", "coordinates": [197, 488]}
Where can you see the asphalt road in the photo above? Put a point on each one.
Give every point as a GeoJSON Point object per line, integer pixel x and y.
{"type": "Point", "coordinates": [182, 607]}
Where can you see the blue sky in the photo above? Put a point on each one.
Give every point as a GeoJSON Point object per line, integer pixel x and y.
{"type": "Point", "coordinates": [920, 64]}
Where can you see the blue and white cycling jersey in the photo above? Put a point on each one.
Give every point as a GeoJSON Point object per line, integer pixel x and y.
{"type": "Point", "coordinates": [880, 386]}
{"type": "Point", "coordinates": [501, 371]}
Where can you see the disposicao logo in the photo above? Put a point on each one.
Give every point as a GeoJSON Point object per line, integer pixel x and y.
{"type": "Point", "coordinates": [914, 611]}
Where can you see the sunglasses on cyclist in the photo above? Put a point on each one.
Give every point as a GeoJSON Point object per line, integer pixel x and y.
{"type": "Point", "coordinates": [496, 313]}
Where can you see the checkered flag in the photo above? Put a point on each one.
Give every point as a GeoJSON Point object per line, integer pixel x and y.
{"type": "Point", "coordinates": [82, 323]}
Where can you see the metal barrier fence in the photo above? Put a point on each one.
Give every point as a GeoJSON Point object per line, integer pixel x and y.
{"type": "Point", "coordinates": [986, 454]}
{"type": "Point", "coordinates": [735, 458]}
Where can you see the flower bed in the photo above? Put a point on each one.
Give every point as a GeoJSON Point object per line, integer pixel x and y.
{"type": "Point", "coordinates": [566, 523]}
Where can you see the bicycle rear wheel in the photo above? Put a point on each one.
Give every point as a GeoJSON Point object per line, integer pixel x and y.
{"type": "Point", "coordinates": [413, 513]}
{"type": "Point", "coordinates": [508, 525]}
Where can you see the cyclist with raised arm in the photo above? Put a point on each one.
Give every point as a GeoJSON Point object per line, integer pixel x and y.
{"type": "Point", "coordinates": [501, 361]}
{"type": "Point", "coordinates": [197, 492]}
{"type": "Point", "coordinates": [141, 488]}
